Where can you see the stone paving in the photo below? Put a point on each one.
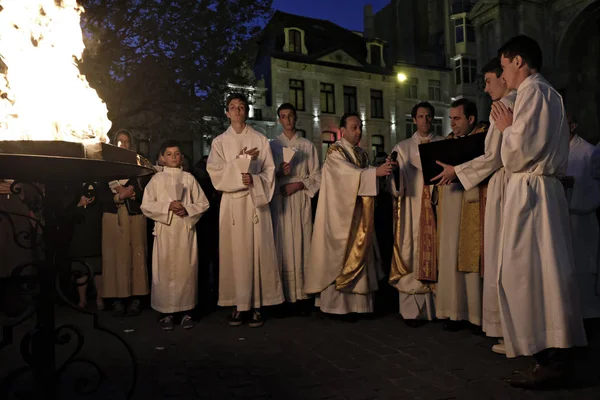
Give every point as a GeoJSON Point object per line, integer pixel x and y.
{"type": "Point", "coordinates": [312, 357]}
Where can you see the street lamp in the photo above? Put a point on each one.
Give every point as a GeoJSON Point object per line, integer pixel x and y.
{"type": "Point", "coordinates": [401, 77]}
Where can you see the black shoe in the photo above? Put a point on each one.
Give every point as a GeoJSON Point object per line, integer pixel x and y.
{"type": "Point", "coordinates": [453, 326]}
{"type": "Point", "coordinates": [549, 376]}
{"type": "Point", "coordinates": [166, 323]}
{"type": "Point", "coordinates": [118, 309]}
{"type": "Point", "coordinates": [186, 322]}
{"type": "Point", "coordinates": [257, 320]}
{"type": "Point", "coordinates": [134, 308]}
{"type": "Point", "coordinates": [235, 319]}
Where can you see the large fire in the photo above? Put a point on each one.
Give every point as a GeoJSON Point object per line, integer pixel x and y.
{"type": "Point", "coordinates": [43, 94]}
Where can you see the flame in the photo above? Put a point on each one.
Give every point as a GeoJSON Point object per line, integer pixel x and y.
{"type": "Point", "coordinates": [43, 96]}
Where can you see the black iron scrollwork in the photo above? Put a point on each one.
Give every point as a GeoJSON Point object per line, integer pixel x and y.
{"type": "Point", "coordinates": [36, 283]}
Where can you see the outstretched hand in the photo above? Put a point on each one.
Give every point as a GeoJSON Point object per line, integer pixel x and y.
{"type": "Point", "coordinates": [446, 176]}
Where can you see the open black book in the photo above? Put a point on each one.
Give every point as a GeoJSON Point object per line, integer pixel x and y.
{"type": "Point", "coordinates": [451, 151]}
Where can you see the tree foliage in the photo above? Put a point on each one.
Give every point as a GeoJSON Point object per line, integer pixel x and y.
{"type": "Point", "coordinates": [161, 66]}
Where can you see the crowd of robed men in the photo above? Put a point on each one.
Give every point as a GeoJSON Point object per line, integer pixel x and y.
{"type": "Point", "coordinates": [488, 242]}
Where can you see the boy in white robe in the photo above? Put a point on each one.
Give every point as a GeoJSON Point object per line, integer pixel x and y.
{"type": "Point", "coordinates": [537, 292]}
{"type": "Point", "coordinates": [174, 200]}
{"type": "Point", "coordinates": [297, 182]}
{"type": "Point", "coordinates": [240, 165]}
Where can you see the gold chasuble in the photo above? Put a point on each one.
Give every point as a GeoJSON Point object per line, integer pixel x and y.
{"type": "Point", "coordinates": [362, 229]}
{"type": "Point", "coordinates": [344, 265]}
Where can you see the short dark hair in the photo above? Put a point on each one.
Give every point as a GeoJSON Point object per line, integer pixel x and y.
{"type": "Point", "coordinates": [345, 117]}
{"type": "Point", "coordinates": [126, 133]}
{"type": "Point", "coordinates": [423, 104]}
{"type": "Point", "coordinates": [236, 96]}
{"type": "Point", "coordinates": [469, 107]}
{"type": "Point", "coordinates": [286, 106]}
{"type": "Point", "coordinates": [525, 47]}
{"type": "Point", "coordinates": [493, 66]}
{"type": "Point", "coordinates": [169, 143]}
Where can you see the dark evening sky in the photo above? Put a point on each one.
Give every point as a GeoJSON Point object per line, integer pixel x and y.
{"type": "Point", "coordinates": [346, 13]}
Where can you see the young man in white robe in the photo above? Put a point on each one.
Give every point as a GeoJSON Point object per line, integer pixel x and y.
{"type": "Point", "coordinates": [249, 275]}
{"type": "Point", "coordinates": [458, 292]}
{"type": "Point", "coordinates": [414, 259]}
{"type": "Point", "coordinates": [175, 201]}
{"type": "Point", "coordinates": [538, 294]}
{"type": "Point", "coordinates": [584, 200]}
{"type": "Point", "coordinates": [344, 267]}
{"type": "Point", "coordinates": [471, 174]}
{"type": "Point", "coordinates": [297, 182]}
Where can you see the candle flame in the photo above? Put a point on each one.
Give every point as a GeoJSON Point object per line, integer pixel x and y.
{"type": "Point", "coordinates": [43, 96]}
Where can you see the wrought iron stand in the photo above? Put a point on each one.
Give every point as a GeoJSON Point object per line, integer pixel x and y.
{"type": "Point", "coordinates": [38, 346]}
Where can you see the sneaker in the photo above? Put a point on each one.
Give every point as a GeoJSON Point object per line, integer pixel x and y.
{"type": "Point", "coordinates": [235, 319]}
{"type": "Point", "coordinates": [499, 348]}
{"type": "Point", "coordinates": [134, 308]}
{"type": "Point", "coordinates": [166, 323]}
{"type": "Point", "coordinates": [118, 309]}
{"type": "Point", "coordinates": [186, 322]}
{"type": "Point", "coordinates": [257, 320]}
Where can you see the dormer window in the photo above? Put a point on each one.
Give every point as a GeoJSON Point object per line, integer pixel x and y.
{"type": "Point", "coordinates": [375, 54]}
{"type": "Point", "coordinates": [294, 41]}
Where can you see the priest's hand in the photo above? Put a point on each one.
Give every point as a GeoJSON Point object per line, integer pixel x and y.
{"type": "Point", "coordinates": [127, 193]}
{"type": "Point", "coordinates": [253, 152]}
{"type": "Point", "coordinates": [285, 168]}
{"type": "Point", "coordinates": [291, 188]}
{"type": "Point", "coordinates": [502, 115]}
{"type": "Point", "coordinates": [446, 176]}
{"type": "Point", "coordinates": [385, 169]}
{"type": "Point", "coordinates": [84, 201]}
{"type": "Point", "coordinates": [247, 179]}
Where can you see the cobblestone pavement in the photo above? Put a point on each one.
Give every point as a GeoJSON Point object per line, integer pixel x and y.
{"type": "Point", "coordinates": [312, 357]}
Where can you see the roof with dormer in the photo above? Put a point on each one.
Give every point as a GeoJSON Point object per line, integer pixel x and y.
{"type": "Point", "coordinates": [327, 44]}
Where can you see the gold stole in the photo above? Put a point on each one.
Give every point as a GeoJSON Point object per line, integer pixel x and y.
{"type": "Point", "coordinates": [426, 267]}
{"type": "Point", "coordinates": [362, 231]}
{"type": "Point", "coordinates": [470, 241]}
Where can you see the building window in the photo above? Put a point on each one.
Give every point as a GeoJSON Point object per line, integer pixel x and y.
{"type": "Point", "coordinates": [375, 55]}
{"type": "Point", "coordinates": [257, 114]}
{"type": "Point", "coordinates": [327, 139]}
{"type": "Point", "coordinates": [327, 98]}
{"type": "Point", "coordinates": [349, 99]}
{"type": "Point", "coordinates": [435, 90]}
{"type": "Point", "coordinates": [295, 41]}
{"type": "Point", "coordinates": [377, 146]}
{"type": "Point", "coordinates": [409, 126]}
{"type": "Point", "coordinates": [412, 88]}
{"type": "Point", "coordinates": [463, 26]}
{"type": "Point", "coordinates": [297, 94]}
{"type": "Point", "coordinates": [438, 126]}
{"type": "Point", "coordinates": [376, 103]}
{"type": "Point", "coordinates": [465, 70]}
